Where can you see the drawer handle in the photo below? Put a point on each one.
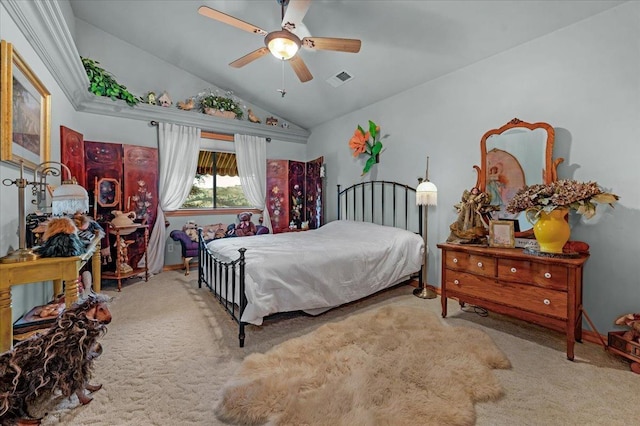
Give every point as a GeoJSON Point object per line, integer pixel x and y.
{"type": "Point", "coordinates": [479, 264]}
{"type": "Point", "coordinates": [455, 260]}
{"type": "Point", "coordinates": [456, 282]}
{"type": "Point", "coordinates": [547, 274]}
{"type": "Point", "coordinates": [546, 301]}
{"type": "Point", "coordinates": [514, 270]}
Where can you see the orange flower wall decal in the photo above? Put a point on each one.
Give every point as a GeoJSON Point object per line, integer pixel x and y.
{"type": "Point", "coordinates": [368, 143]}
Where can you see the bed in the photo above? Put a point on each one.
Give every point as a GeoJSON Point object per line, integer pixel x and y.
{"type": "Point", "coordinates": [374, 244]}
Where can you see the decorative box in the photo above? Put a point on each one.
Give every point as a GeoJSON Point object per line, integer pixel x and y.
{"type": "Point", "coordinates": [626, 348]}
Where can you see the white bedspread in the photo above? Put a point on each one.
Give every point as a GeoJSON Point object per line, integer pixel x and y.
{"type": "Point", "coordinates": [319, 269]}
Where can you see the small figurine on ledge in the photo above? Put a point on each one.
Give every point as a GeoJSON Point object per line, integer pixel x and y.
{"type": "Point", "coordinates": [187, 105]}
{"type": "Point", "coordinates": [165, 100]}
{"type": "Point", "coordinates": [151, 98]}
{"type": "Point", "coordinates": [272, 121]}
{"type": "Point", "coordinates": [252, 117]}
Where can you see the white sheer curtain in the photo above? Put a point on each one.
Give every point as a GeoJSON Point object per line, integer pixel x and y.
{"type": "Point", "coordinates": [178, 148]}
{"type": "Point", "coordinates": [251, 156]}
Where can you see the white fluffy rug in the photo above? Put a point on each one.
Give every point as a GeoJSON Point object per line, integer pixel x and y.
{"type": "Point", "coordinates": [395, 365]}
{"type": "Point", "coordinates": [171, 349]}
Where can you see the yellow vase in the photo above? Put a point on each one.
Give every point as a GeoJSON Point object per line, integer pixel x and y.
{"type": "Point", "coordinates": [551, 229]}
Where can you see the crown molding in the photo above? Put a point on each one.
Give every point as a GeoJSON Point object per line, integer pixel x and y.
{"type": "Point", "coordinates": [105, 106]}
{"type": "Point", "coordinates": [44, 26]}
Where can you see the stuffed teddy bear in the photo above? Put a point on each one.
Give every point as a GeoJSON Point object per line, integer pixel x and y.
{"type": "Point", "coordinates": [633, 335]}
{"type": "Point", "coordinates": [213, 232]}
{"type": "Point", "coordinates": [191, 229]}
{"type": "Point", "coordinates": [245, 227]}
{"type": "Point", "coordinates": [632, 321]}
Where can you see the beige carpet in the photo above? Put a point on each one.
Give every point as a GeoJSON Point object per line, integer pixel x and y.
{"type": "Point", "coordinates": [170, 349]}
{"type": "Point", "coordinates": [369, 369]}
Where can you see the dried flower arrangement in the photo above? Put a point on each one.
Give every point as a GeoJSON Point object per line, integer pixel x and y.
{"type": "Point", "coordinates": [579, 196]}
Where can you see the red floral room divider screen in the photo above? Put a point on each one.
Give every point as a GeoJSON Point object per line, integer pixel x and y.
{"type": "Point", "coordinates": [294, 191]}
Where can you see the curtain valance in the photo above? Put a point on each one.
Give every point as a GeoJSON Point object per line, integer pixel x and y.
{"type": "Point", "coordinates": [226, 164]}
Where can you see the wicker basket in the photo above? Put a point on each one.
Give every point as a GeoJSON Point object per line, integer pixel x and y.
{"type": "Point", "coordinates": [218, 113]}
{"type": "Point", "coordinates": [626, 348]}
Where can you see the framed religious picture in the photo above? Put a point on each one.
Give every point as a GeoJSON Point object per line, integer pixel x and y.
{"type": "Point", "coordinates": [25, 111]}
{"type": "Point", "coordinates": [501, 234]}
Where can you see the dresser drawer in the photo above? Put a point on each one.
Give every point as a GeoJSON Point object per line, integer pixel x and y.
{"type": "Point", "coordinates": [530, 298]}
{"type": "Point", "coordinates": [539, 274]}
{"type": "Point", "coordinates": [472, 263]}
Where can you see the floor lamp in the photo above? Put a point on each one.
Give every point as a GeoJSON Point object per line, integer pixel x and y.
{"type": "Point", "coordinates": [426, 195]}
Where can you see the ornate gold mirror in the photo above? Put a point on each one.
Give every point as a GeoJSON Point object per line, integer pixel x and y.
{"type": "Point", "coordinates": [107, 192]}
{"type": "Point", "coordinates": [511, 157]}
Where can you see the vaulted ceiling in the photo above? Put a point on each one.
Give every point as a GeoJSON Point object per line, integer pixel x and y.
{"type": "Point", "coordinates": [404, 44]}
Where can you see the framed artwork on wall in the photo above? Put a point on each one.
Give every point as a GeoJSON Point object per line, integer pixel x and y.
{"type": "Point", "coordinates": [501, 234]}
{"type": "Point", "coordinates": [25, 111]}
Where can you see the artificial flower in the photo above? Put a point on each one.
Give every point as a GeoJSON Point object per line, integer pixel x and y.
{"type": "Point", "coordinates": [367, 143]}
{"type": "Point", "coordinates": [358, 142]}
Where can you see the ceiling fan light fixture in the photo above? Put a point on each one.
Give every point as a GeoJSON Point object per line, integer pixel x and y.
{"type": "Point", "coordinates": [282, 44]}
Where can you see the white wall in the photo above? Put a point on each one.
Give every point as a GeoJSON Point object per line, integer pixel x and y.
{"type": "Point", "coordinates": [26, 296]}
{"type": "Point", "coordinates": [584, 80]}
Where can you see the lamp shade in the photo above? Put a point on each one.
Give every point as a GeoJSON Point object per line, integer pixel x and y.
{"type": "Point", "coordinates": [69, 198]}
{"type": "Point", "coordinates": [426, 194]}
{"type": "Point", "coordinates": [282, 44]}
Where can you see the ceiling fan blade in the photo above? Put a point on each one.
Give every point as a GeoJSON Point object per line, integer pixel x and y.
{"type": "Point", "coordinates": [292, 20]}
{"type": "Point", "coordinates": [230, 20]}
{"type": "Point", "coordinates": [300, 68]}
{"type": "Point", "coordinates": [331, 43]}
{"type": "Point", "coordinates": [249, 57]}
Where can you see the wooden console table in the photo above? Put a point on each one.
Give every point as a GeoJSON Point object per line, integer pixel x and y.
{"type": "Point", "coordinates": [57, 269]}
{"type": "Point", "coordinates": [543, 290]}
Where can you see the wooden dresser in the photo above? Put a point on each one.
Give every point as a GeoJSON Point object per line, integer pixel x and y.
{"type": "Point", "coordinates": [543, 290]}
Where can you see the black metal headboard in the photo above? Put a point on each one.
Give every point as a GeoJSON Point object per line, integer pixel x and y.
{"type": "Point", "coordinates": [381, 202]}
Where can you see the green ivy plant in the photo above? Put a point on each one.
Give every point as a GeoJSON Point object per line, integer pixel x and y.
{"type": "Point", "coordinates": [220, 103]}
{"type": "Point", "coordinates": [102, 83]}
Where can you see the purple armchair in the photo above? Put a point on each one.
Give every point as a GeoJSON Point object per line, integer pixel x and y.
{"type": "Point", "coordinates": [190, 247]}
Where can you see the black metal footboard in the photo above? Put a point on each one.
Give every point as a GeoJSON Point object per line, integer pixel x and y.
{"type": "Point", "coordinates": [382, 202]}
{"type": "Point", "coordinates": [221, 279]}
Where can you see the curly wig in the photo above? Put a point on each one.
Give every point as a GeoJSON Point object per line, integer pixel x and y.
{"type": "Point", "coordinates": [59, 359]}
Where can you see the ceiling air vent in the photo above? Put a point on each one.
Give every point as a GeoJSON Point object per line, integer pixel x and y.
{"type": "Point", "coordinates": [339, 79]}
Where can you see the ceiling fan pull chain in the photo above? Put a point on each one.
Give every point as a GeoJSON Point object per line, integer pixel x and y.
{"type": "Point", "coordinates": [282, 91]}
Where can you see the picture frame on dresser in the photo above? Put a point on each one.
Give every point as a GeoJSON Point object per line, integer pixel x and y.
{"type": "Point", "coordinates": [502, 234]}
{"type": "Point", "coordinates": [25, 112]}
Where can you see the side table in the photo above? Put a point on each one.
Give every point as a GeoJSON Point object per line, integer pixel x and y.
{"type": "Point", "coordinates": [123, 269]}
{"type": "Point", "coordinates": [57, 269]}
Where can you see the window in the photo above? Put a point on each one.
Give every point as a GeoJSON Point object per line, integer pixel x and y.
{"type": "Point", "coordinates": [216, 183]}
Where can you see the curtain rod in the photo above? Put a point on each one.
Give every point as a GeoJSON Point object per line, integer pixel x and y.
{"type": "Point", "coordinates": [155, 124]}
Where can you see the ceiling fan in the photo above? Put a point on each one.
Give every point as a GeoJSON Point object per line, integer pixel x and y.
{"type": "Point", "coordinates": [285, 43]}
